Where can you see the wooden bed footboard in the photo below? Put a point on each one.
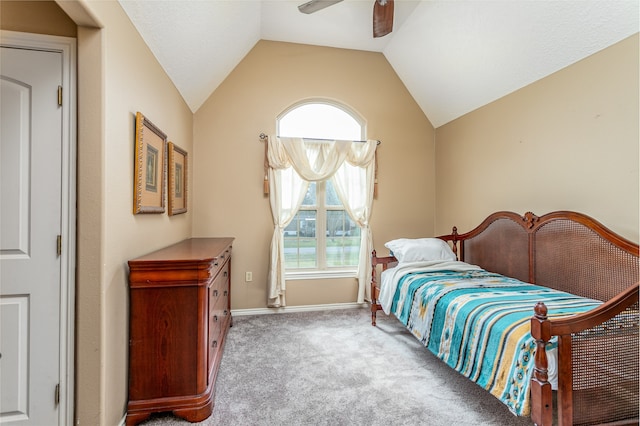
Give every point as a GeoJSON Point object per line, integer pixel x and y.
{"type": "Point", "coordinates": [598, 351]}
{"type": "Point", "coordinates": [598, 356]}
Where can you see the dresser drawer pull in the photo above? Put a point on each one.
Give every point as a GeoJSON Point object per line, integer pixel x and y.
{"type": "Point", "coordinates": [214, 344]}
{"type": "Point", "coordinates": [215, 264]}
{"type": "Point", "coordinates": [225, 274]}
{"type": "Point", "coordinates": [215, 318]}
{"type": "Point", "coordinates": [215, 293]}
{"type": "Point", "coordinates": [225, 293]}
{"type": "Point", "coordinates": [226, 313]}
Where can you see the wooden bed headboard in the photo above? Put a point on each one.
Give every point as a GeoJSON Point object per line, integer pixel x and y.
{"type": "Point", "coordinates": [549, 250]}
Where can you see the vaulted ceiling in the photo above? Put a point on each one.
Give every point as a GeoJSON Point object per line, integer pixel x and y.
{"type": "Point", "coordinates": [452, 55]}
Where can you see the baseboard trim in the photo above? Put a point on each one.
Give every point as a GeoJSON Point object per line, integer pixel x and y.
{"type": "Point", "coordinates": [301, 308]}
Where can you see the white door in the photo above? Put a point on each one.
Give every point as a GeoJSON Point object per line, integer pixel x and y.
{"type": "Point", "coordinates": [30, 223]}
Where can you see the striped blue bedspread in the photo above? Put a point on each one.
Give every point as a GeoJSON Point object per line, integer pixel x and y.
{"type": "Point", "coordinates": [479, 324]}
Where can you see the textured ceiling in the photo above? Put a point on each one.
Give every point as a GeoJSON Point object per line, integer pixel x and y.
{"type": "Point", "coordinates": [452, 55]}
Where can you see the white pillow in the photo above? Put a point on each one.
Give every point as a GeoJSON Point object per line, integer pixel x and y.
{"type": "Point", "coordinates": [420, 249]}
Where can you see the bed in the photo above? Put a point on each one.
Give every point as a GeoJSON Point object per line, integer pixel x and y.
{"type": "Point", "coordinates": [542, 311]}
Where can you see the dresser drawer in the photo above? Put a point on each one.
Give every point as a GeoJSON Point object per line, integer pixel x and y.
{"type": "Point", "coordinates": [214, 343]}
{"type": "Point", "coordinates": [219, 261]}
{"type": "Point", "coordinates": [219, 313]}
{"type": "Point", "coordinates": [219, 291]}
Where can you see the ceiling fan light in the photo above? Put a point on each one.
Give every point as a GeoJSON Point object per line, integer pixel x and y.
{"type": "Point", "coordinates": [316, 5]}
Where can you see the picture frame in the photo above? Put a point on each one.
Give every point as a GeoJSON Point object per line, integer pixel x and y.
{"type": "Point", "coordinates": [178, 179]}
{"type": "Point", "coordinates": [150, 167]}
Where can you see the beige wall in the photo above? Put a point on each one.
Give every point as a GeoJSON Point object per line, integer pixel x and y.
{"type": "Point", "coordinates": [90, 306]}
{"type": "Point", "coordinates": [132, 81]}
{"type": "Point", "coordinates": [40, 17]}
{"type": "Point", "coordinates": [566, 142]}
{"type": "Point", "coordinates": [228, 160]}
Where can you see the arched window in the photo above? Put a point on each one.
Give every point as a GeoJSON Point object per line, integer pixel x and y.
{"type": "Point", "coordinates": [321, 120]}
{"type": "Point", "coordinates": [321, 239]}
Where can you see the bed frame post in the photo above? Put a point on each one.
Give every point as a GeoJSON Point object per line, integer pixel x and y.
{"type": "Point", "coordinates": [541, 392]}
{"type": "Point", "coordinates": [565, 387]}
{"type": "Point", "coordinates": [374, 301]}
{"type": "Point", "coordinates": [454, 241]}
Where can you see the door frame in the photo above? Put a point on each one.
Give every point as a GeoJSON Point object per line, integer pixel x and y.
{"type": "Point", "coordinates": [67, 47]}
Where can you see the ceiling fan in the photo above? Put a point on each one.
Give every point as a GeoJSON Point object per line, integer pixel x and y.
{"type": "Point", "coordinates": [382, 13]}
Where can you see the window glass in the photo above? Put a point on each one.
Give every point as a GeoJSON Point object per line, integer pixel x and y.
{"type": "Point", "coordinates": [310, 196]}
{"type": "Point", "coordinates": [300, 242]}
{"type": "Point", "coordinates": [331, 196]}
{"type": "Point", "coordinates": [321, 237]}
{"type": "Point", "coordinates": [343, 240]}
{"type": "Point", "coordinates": [321, 121]}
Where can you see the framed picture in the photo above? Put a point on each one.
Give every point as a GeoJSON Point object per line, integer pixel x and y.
{"type": "Point", "coordinates": [177, 179]}
{"type": "Point", "coordinates": [150, 167]}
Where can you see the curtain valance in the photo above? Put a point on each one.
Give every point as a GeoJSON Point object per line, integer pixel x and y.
{"type": "Point", "coordinates": [316, 160]}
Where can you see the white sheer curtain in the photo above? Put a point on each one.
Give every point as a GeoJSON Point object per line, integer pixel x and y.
{"type": "Point", "coordinates": [354, 184]}
{"type": "Point", "coordinates": [293, 163]}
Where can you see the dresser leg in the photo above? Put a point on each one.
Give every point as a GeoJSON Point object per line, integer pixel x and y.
{"type": "Point", "coordinates": [134, 419]}
{"type": "Point", "coordinates": [195, 414]}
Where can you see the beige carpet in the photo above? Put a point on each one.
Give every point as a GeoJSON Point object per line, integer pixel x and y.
{"type": "Point", "coordinates": [334, 368]}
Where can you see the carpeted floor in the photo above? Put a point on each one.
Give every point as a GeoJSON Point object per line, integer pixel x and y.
{"type": "Point", "coordinates": [334, 368]}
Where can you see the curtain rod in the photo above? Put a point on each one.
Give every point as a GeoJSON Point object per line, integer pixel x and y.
{"type": "Point", "coordinates": [264, 136]}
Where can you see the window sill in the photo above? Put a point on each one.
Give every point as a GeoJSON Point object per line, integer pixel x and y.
{"type": "Point", "coordinates": [315, 275]}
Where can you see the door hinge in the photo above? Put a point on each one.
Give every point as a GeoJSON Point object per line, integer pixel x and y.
{"type": "Point", "coordinates": [59, 95]}
{"type": "Point", "coordinates": [59, 245]}
{"type": "Point", "coordinates": [57, 394]}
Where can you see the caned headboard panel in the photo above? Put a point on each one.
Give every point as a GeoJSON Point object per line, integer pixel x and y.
{"type": "Point", "coordinates": [562, 264]}
{"type": "Point", "coordinates": [552, 250]}
{"type": "Point", "coordinates": [498, 247]}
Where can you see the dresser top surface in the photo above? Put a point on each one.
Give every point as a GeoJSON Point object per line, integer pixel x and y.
{"type": "Point", "coordinates": [192, 249]}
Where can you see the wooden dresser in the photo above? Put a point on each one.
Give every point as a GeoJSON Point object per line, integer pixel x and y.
{"type": "Point", "coordinates": [180, 312]}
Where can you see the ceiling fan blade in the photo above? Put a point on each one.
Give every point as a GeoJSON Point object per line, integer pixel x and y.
{"type": "Point", "coordinates": [382, 17]}
{"type": "Point", "coordinates": [316, 5]}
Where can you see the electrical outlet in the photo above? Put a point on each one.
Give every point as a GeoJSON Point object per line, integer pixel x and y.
{"type": "Point", "coordinates": [248, 276]}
